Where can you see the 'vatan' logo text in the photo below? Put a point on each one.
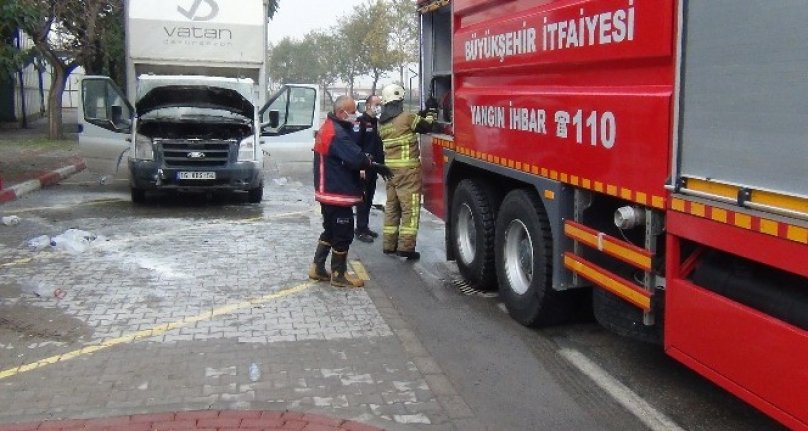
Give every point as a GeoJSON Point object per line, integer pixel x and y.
{"type": "Point", "coordinates": [193, 12]}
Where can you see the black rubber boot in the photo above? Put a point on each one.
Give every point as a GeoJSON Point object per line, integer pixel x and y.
{"type": "Point", "coordinates": [410, 255]}
{"type": "Point", "coordinates": [317, 269]}
{"type": "Point", "coordinates": [339, 271]}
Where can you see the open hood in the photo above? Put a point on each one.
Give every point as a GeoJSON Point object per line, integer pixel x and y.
{"type": "Point", "coordinates": [194, 96]}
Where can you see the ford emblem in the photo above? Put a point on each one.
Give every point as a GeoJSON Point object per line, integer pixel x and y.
{"type": "Point", "coordinates": [196, 155]}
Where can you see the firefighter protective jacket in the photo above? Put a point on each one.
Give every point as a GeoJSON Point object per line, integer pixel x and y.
{"type": "Point", "coordinates": [337, 162]}
{"type": "Point", "coordinates": [400, 140]}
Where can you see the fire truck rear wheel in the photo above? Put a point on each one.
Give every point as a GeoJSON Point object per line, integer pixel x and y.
{"type": "Point", "coordinates": [472, 234]}
{"type": "Point", "coordinates": [623, 318]}
{"type": "Point", "coordinates": [524, 262]}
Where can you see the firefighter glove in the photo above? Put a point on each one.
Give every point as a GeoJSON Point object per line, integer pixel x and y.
{"type": "Point", "coordinates": [383, 170]}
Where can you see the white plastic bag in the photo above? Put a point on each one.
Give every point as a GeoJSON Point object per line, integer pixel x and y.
{"type": "Point", "coordinates": [39, 243]}
{"type": "Point", "coordinates": [10, 220]}
{"type": "Point", "coordinates": [73, 241]}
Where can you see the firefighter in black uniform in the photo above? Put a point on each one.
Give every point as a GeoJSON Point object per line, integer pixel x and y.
{"type": "Point", "coordinates": [372, 145]}
{"type": "Point", "coordinates": [338, 159]}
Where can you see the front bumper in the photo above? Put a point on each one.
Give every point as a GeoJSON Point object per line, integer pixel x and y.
{"type": "Point", "coordinates": [148, 175]}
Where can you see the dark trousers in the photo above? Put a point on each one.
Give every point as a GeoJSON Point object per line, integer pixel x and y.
{"type": "Point", "coordinates": [363, 209]}
{"type": "Point", "coordinates": [338, 227]}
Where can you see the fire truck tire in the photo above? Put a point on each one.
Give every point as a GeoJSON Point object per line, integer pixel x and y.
{"type": "Point", "coordinates": [472, 234]}
{"type": "Point", "coordinates": [623, 318]}
{"type": "Point", "coordinates": [524, 262]}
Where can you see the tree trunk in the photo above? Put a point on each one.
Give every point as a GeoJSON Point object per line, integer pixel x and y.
{"type": "Point", "coordinates": [376, 76]}
{"type": "Point", "coordinates": [328, 93]}
{"type": "Point", "coordinates": [60, 75]}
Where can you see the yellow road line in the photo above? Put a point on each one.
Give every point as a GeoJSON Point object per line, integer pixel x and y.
{"type": "Point", "coordinates": [157, 330]}
{"type": "Point", "coordinates": [360, 270]}
{"type": "Point", "coordinates": [16, 262]}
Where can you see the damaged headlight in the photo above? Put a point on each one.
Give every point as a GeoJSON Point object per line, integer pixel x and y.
{"type": "Point", "coordinates": [246, 150]}
{"type": "Point", "coordinates": [144, 148]}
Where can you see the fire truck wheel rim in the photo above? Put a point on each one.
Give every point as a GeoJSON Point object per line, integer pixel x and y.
{"type": "Point", "coordinates": [518, 255]}
{"type": "Point", "coordinates": [466, 235]}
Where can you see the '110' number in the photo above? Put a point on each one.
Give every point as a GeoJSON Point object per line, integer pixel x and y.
{"type": "Point", "coordinates": [602, 129]}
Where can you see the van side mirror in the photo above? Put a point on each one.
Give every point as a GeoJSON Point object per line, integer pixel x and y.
{"type": "Point", "coordinates": [274, 119]}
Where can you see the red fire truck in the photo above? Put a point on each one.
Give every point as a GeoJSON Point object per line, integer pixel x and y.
{"type": "Point", "coordinates": [648, 155]}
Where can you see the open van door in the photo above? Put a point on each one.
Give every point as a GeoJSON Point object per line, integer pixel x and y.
{"type": "Point", "coordinates": [105, 126]}
{"type": "Point", "coordinates": [289, 121]}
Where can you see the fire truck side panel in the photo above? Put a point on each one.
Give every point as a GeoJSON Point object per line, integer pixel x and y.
{"type": "Point", "coordinates": [755, 356]}
{"type": "Point", "coordinates": [589, 109]}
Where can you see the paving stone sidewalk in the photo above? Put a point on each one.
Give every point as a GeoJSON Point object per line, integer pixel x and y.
{"type": "Point", "coordinates": [346, 354]}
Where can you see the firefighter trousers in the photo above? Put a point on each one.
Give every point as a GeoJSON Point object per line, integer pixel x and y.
{"type": "Point", "coordinates": [402, 212]}
{"type": "Point", "coordinates": [338, 227]}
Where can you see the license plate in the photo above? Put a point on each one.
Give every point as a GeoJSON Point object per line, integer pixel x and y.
{"type": "Point", "coordinates": [196, 175]}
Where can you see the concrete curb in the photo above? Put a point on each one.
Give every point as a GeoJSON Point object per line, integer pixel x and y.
{"type": "Point", "coordinates": [207, 420]}
{"type": "Point", "coordinates": [11, 193]}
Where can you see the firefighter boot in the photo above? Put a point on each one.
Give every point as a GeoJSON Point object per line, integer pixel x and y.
{"type": "Point", "coordinates": [339, 271]}
{"type": "Point", "coordinates": [317, 268]}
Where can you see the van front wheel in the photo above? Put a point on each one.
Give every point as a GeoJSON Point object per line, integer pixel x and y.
{"type": "Point", "coordinates": [255, 195]}
{"type": "Point", "coordinates": [138, 195]}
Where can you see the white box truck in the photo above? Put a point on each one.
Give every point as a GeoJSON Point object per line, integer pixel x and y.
{"type": "Point", "coordinates": [197, 110]}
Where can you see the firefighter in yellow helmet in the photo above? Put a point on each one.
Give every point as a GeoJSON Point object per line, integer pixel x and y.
{"type": "Point", "coordinates": [398, 130]}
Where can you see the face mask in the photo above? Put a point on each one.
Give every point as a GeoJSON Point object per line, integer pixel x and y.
{"type": "Point", "coordinates": [351, 118]}
{"type": "Point", "coordinates": [377, 110]}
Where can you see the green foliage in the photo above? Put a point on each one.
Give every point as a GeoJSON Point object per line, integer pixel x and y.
{"type": "Point", "coordinates": [273, 7]}
{"type": "Point", "coordinates": [67, 33]}
{"type": "Point", "coordinates": [12, 14]}
{"type": "Point", "coordinates": [109, 56]}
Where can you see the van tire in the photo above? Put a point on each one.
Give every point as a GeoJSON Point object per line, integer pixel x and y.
{"type": "Point", "coordinates": [256, 195]}
{"type": "Point", "coordinates": [138, 195]}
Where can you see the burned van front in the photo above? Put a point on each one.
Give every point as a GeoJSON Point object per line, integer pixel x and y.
{"type": "Point", "coordinates": [196, 137]}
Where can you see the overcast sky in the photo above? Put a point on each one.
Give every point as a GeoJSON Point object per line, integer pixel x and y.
{"type": "Point", "coordinates": [295, 18]}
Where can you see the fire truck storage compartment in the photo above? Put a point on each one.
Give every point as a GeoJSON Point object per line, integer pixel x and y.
{"type": "Point", "coordinates": [436, 28]}
{"type": "Point", "coordinates": [744, 100]}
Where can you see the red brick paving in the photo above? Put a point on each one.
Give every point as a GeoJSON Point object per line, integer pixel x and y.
{"type": "Point", "coordinates": [206, 420]}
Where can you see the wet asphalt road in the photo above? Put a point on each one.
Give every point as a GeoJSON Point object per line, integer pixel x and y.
{"type": "Point", "coordinates": [509, 375]}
